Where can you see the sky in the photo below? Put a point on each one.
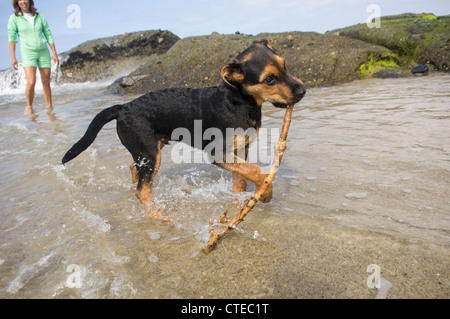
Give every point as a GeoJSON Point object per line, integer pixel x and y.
{"type": "Point", "coordinates": [73, 22]}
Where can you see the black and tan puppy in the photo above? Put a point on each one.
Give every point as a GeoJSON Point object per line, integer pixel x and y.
{"type": "Point", "coordinates": [145, 124]}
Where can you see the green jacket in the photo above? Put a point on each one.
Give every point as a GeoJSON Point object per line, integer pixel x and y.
{"type": "Point", "coordinates": [30, 38]}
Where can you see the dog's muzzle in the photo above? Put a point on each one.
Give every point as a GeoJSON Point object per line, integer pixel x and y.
{"type": "Point", "coordinates": [299, 92]}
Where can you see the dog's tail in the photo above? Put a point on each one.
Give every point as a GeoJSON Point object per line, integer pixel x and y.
{"type": "Point", "coordinates": [105, 116]}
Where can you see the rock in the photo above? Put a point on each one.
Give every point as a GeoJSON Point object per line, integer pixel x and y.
{"type": "Point", "coordinates": [389, 74]}
{"type": "Point", "coordinates": [287, 44]}
{"type": "Point", "coordinates": [113, 56]}
{"type": "Point", "coordinates": [196, 61]}
{"type": "Point", "coordinates": [126, 81]}
{"type": "Point", "coordinates": [356, 195]}
{"type": "Point", "coordinates": [420, 70]}
{"type": "Point", "coordinates": [151, 60]}
{"type": "Point", "coordinates": [422, 38]}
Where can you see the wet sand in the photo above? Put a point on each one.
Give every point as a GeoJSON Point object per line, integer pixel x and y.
{"type": "Point", "coordinates": [314, 259]}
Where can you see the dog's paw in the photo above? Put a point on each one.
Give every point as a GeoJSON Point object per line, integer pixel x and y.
{"type": "Point", "coordinates": [155, 211]}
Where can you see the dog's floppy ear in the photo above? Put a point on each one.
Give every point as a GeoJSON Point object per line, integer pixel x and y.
{"type": "Point", "coordinates": [232, 74]}
{"type": "Point", "coordinates": [263, 42]}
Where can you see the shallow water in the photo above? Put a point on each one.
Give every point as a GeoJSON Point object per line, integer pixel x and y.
{"type": "Point", "coordinates": [365, 179]}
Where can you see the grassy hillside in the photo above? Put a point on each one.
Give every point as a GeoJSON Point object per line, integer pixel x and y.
{"type": "Point", "coordinates": [415, 38]}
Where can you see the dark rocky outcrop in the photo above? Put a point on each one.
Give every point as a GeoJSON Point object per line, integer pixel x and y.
{"type": "Point", "coordinates": [114, 56]}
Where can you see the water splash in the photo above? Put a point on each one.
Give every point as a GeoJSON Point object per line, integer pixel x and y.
{"type": "Point", "coordinates": [14, 81]}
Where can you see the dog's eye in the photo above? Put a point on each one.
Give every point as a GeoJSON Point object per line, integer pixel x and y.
{"type": "Point", "coordinates": [271, 80]}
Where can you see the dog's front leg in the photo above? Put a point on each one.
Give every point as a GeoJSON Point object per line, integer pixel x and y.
{"type": "Point", "coordinates": [251, 172]}
{"type": "Point", "coordinates": [239, 183]}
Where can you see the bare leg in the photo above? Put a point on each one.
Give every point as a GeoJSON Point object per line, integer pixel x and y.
{"type": "Point", "coordinates": [30, 73]}
{"type": "Point", "coordinates": [45, 78]}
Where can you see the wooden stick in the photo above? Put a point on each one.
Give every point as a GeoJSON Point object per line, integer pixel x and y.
{"type": "Point", "coordinates": [214, 235]}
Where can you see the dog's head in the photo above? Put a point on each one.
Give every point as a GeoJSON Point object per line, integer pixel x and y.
{"type": "Point", "coordinates": [260, 73]}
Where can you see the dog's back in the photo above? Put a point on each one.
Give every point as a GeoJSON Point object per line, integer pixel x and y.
{"type": "Point", "coordinates": [170, 109]}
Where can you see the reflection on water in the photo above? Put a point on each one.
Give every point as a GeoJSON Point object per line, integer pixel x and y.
{"type": "Point", "coordinates": [364, 158]}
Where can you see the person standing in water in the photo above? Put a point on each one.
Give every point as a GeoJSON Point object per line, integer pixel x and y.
{"type": "Point", "coordinates": [34, 34]}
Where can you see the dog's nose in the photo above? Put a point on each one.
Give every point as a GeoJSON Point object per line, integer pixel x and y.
{"type": "Point", "coordinates": [299, 89]}
{"type": "Point", "coordinates": [300, 92]}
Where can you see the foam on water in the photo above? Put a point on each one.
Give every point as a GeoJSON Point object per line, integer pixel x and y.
{"type": "Point", "coordinates": [13, 84]}
{"type": "Point", "coordinates": [27, 271]}
{"type": "Point", "coordinates": [91, 220]}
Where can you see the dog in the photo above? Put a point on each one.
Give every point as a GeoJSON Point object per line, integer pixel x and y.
{"type": "Point", "coordinates": [145, 125]}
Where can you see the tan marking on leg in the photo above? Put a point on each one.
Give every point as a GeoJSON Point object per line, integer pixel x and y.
{"type": "Point", "coordinates": [239, 183]}
{"type": "Point", "coordinates": [253, 173]}
{"type": "Point", "coordinates": [145, 193]}
{"type": "Point", "coordinates": [151, 208]}
{"type": "Point", "coordinates": [158, 158]}
{"type": "Point", "coordinates": [134, 174]}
